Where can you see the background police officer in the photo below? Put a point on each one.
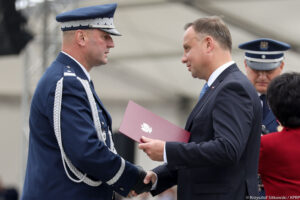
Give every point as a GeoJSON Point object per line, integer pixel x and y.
{"type": "Point", "coordinates": [263, 62]}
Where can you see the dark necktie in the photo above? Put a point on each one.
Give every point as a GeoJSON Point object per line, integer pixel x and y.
{"type": "Point", "coordinates": [266, 108]}
{"type": "Point", "coordinates": [204, 89]}
{"type": "Point", "coordinates": [92, 84]}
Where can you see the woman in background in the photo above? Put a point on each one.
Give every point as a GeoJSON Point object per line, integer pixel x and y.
{"type": "Point", "coordinates": [279, 152]}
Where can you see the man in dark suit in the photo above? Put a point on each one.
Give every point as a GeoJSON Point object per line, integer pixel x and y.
{"type": "Point", "coordinates": [220, 160]}
{"type": "Point", "coordinates": [264, 62]}
{"type": "Point", "coordinates": [71, 151]}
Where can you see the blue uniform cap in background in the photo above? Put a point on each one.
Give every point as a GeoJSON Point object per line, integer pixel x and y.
{"type": "Point", "coordinates": [264, 53]}
{"type": "Point", "coordinates": [100, 17]}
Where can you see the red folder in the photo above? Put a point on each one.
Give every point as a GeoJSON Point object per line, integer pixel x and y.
{"type": "Point", "coordinates": [138, 122]}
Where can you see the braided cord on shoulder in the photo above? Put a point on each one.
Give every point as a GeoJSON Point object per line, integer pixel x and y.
{"type": "Point", "coordinates": [101, 134]}
{"type": "Point", "coordinates": [57, 129]}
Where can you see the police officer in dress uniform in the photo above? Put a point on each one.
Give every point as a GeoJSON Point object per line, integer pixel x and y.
{"type": "Point", "coordinates": [71, 151]}
{"type": "Point", "coordinates": [263, 62]}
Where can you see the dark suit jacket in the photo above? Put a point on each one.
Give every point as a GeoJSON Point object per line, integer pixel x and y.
{"type": "Point", "coordinates": [221, 159]}
{"type": "Point", "coordinates": [45, 174]}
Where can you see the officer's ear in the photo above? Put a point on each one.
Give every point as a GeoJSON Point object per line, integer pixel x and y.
{"type": "Point", "coordinates": [245, 63]}
{"type": "Point", "coordinates": [81, 37]}
{"type": "Point", "coordinates": [281, 66]}
{"type": "Point", "coordinates": [246, 66]}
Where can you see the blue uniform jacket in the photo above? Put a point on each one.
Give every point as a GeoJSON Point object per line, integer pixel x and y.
{"type": "Point", "coordinates": [270, 122]}
{"type": "Point", "coordinates": [45, 174]}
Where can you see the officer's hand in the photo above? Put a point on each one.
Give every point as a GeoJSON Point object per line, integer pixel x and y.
{"type": "Point", "coordinates": [140, 185]}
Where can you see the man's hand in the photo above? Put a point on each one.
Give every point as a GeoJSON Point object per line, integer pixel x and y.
{"type": "Point", "coordinates": [150, 177]}
{"type": "Point", "coordinates": [153, 148]}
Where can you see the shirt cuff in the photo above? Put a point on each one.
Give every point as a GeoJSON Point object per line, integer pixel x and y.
{"type": "Point", "coordinates": [165, 154]}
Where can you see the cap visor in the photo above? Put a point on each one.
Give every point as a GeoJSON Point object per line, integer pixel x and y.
{"type": "Point", "coordinates": [111, 31]}
{"type": "Point", "coordinates": [263, 66]}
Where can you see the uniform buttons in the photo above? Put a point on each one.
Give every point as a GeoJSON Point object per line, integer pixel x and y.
{"type": "Point", "coordinates": [121, 188]}
{"type": "Point", "coordinates": [102, 123]}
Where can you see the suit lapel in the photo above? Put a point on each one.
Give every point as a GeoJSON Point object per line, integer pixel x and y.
{"type": "Point", "coordinates": [202, 102]}
{"type": "Point", "coordinates": [198, 107]}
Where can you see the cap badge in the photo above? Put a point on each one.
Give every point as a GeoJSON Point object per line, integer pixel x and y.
{"type": "Point", "coordinates": [146, 128]}
{"type": "Point", "coordinates": [263, 56]}
{"type": "Point", "coordinates": [264, 45]}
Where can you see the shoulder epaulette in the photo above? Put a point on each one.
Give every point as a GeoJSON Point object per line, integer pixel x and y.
{"type": "Point", "coordinates": [68, 71]}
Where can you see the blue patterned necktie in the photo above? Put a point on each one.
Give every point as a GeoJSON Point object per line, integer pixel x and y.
{"type": "Point", "coordinates": [204, 89]}
{"type": "Point", "coordinates": [266, 108]}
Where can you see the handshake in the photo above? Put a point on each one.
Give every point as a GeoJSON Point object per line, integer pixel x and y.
{"type": "Point", "coordinates": [141, 186]}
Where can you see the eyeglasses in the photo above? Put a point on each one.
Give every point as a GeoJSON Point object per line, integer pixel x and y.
{"type": "Point", "coordinates": [263, 72]}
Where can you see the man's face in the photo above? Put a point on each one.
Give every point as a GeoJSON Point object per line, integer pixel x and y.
{"type": "Point", "coordinates": [194, 53]}
{"type": "Point", "coordinates": [261, 79]}
{"type": "Point", "coordinates": [99, 44]}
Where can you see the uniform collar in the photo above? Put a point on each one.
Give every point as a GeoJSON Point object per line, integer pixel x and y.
{"type": "Point", "coordinates": [81, 66]}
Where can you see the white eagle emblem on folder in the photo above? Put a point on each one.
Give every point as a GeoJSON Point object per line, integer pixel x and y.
{"type": "Point", "coordinates": [146, 128]}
